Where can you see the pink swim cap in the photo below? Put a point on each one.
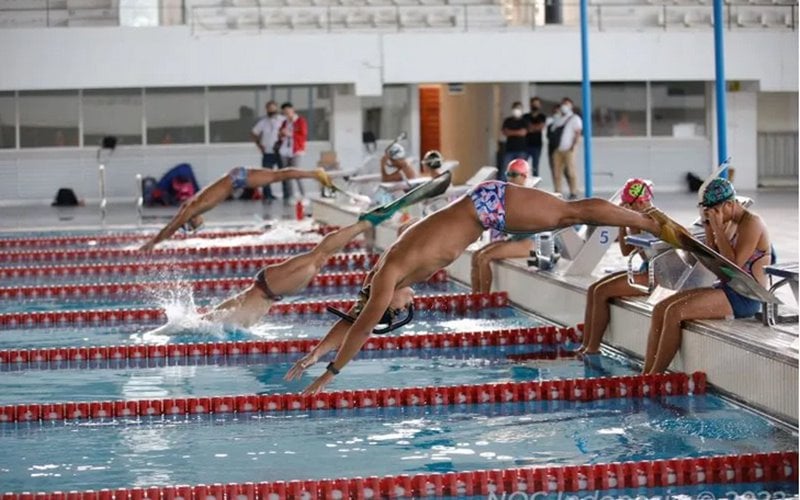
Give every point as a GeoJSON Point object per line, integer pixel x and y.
{"type": "Point", "coordinates": [637, 189]}
{"type": "Point", "coordinates": [518, 166]}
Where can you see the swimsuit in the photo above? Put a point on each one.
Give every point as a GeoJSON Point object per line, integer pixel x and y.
{"type": "Point", "coordinates": [238, 176]}
{"type": "Point", "coordinates": [489, 199]}
{"type": "Point", "coordinates": [261, 284]}
{"type": "Point", "coordinates": [745, 307]}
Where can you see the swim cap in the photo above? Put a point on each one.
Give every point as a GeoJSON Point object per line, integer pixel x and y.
{"type": "Point", "coordinates": [637, 189]}
{"type": "Point", "coordinates": [518, 166]}
{"type": "Point", "coordinates": [718, 191]}
{"type": "Point", "coordinates": [396, 152]}
{"type": "Point", "coordinates": [432, 159]}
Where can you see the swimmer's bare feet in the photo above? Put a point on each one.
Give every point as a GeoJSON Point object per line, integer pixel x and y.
{"type": "Point", "coordinates": [323, 178]}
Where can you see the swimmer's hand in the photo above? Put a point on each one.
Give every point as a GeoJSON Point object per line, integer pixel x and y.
{"type": "Point", "coordinates": [148, 247]}
{"type": "Point", "coordinates": [299, 368]}
{"type": "Point", "coordinates": [318, 385]}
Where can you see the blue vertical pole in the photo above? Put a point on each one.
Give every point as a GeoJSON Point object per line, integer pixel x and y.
{"type": "Point", "coordinates": [719, 64]}
{"type": "Point", "coordinates": [586, 94]}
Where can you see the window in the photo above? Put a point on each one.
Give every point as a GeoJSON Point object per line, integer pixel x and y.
{"type": "Point", "coordinates": [233, 111]}
{"type": "Point", "coordinates": [388, 115]}
{"type": "Point", "coordinates": [175, 116]}
{"type": "Point", "coordinates": [115, 112]}
{"type": "Point", "coordinates": [48, 119]}
{"type": "Point", "coordinates": [619, 109]}
{"type": "Point", "coordinates": [679, 109]}
{"type": "Point", "coordinates": [8, 121]}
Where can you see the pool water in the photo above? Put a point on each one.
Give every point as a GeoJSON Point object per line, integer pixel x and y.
{"type": "Point", "coordinates": [252, 447]}
{"type": "Point", "coordinates": [264, 374]}
{"type": "Point", "coordinates": [257, 447]}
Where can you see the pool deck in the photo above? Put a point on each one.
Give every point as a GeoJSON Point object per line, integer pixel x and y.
{"type": "Point", "coordinates": [742, 358]}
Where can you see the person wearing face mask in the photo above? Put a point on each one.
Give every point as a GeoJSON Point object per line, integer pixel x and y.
{"type": "Point", "coordinates": [536, 122]}
{"type": "Point", "coordinates": [515, 129]}
{"type": "Point", "coordinates": [567, 134]}
{"type": "Point", "coordinates": [265, 135]}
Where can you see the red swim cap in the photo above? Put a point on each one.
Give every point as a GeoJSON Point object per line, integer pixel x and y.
{"type": "Point", "coordinates": [518, 166]}
{"type": "Point", "coordinates": [637, 189]}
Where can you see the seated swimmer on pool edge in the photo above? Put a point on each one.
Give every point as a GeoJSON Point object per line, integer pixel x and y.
{"type": "Point", "coordinates": [438, 239]}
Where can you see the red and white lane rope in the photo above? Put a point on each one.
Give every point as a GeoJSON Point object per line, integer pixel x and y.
{"type": "Point", "coordinates": [121, 238]}
{"type": "Point", "coordinates": [55, 357]}
{"type": "Point", "coordinates": [529, 482]}
{"type": "Point", "coordinates": [582, 389]}
{"type": "Point", "coordinates": [202, 267]}
{"type": "Point", "coordinates": [219, 285]}
{"type": "Point", "coordinates": [72, 255]}
{"type": "Point", "coordinates": [452, 302]}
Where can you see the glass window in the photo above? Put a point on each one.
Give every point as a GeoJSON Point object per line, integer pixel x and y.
{"type": "Point", "coordinates": [138, 13]}
{"type": "Point", "coordinates": [388, 115]}
{"type": "Point", "coordinates": [175, 116]}
{"type": "Point", "coordinates": [116, 112]}
{"type": "Point", "coordinates": [8, 121]}
{"type": "Point", "coordinates": [233, 111]}
{"type": "Point", "coordinates": [679, 109]}
{"type": "Point", "coordinates": [48, 119]}
{"type": "Point", "coordinates": [619, 109]}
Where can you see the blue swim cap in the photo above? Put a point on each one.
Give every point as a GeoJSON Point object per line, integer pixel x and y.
{"type": "Point", "coordinates": [718, 190]}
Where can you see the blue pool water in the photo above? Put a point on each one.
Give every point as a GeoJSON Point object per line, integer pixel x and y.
{"type": "Point", "coordinates": [273, 327]}
{"type": "Point", "coordinates": [256, 447]}
{"type": "Point", "coordinates": [264, 374]}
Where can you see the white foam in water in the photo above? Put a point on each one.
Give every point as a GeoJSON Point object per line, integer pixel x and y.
{"type": "Point", "coordinates": [182, 316]}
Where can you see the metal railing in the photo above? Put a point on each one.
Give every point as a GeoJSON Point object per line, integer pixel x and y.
{"type": "Point", "coordinates": [616, 16]}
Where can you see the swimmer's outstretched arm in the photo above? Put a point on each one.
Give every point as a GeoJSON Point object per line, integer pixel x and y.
{"type": "Point", "coordinates": [332, 340]}
{"type": "Point", "coordinates": [356, 336]}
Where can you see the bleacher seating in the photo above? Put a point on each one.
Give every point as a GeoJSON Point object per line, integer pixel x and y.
{"type": "Point", "coordinates": [393, 15]}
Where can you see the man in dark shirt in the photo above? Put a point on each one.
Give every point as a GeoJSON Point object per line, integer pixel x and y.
{"type": "Point", "coordinates": [536, 121]}
{"type": "Point", "coordinates": [515, 128]}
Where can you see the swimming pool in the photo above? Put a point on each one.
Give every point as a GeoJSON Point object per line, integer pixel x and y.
{"type": "Point", "coordinates": [474, 396]}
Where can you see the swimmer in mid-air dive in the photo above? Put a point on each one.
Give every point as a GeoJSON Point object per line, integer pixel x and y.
{"type": "Point", "coordinates": [440, 238]}
{"type": "Point", "coordinates": [238, 178]}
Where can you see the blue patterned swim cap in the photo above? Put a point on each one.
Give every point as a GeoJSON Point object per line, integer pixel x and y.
{"type": "Point", "coordinates": [718, 190]}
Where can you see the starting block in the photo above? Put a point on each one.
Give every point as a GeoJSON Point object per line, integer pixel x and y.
{"type": "Point", "coordinates": [787, 274]}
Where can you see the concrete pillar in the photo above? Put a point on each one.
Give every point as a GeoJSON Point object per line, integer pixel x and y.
{"type": "Point", "coordinates": [346, 127]}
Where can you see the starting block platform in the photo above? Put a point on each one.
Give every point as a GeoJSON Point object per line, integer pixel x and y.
{"type": "Point", "coordinates": [743, 359]}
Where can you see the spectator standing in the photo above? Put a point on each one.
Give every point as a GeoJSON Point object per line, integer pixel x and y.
{"type": "Point", "coordinates": [567, 133]}
{"type": "Point", "coordinates": [265, 135]}
{"type": "Point", "coordinates": [515, 129]}
{"type": "Point", "coordinates": [293, 135]}
{"type": "Point", "coordinates": [536, 122]}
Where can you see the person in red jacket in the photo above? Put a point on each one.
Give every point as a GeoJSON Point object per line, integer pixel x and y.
{"type": "Point", "coordinates": [291, 145]}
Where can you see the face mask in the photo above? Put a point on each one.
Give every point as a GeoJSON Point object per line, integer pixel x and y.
{"type": "Point", "coordinates": [566, 108]}
{"type": "Point", "coordinates": [516, 113]}
{"type": "Point", "coordinates": [271, 113]}
{"type": "Point", "coordinates": [535, 107]}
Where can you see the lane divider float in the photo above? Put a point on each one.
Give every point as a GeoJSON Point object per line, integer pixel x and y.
{"type": "Point", "coordinates": [122, 237]}
{"type": "Point", "coordinates": [774, 467]}
{"type": "Point", "coordinates": [452, 302]}
{"type": "Point", "coordinates": [219, 285]}
{"type": "Point", "coordinates": [73, 254]}
{"type": "Point", "coordinates": [581, 389]}
{"type": "Point", "coordinates": [203, 267]}
{"type": "Point", "coordinates": [209, 352]}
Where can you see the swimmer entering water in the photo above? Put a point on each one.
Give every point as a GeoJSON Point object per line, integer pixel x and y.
{"type": "Point", "coordinates": [272, 282]}
{"type": "Point", "coordinates": [440, 238]}
{"type": "Point", "coordinates": [211, 196]}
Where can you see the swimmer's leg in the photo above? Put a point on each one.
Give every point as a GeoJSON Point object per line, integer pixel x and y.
{"type": "Point", "coordinates": [533, 210]}
{"type": "Point", "coordinates": [259, 177]}
{"type": "Point", "coordinates": [295, 273]}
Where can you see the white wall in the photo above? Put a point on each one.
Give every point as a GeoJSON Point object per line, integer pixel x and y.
{"type": "Point", "coordinates": [172, 56]}
{"type": "Point", "coordinates": [777, 112]}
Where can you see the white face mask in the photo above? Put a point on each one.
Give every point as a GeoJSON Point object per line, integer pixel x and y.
{"type": "Point", "coordinates": [566, 108]}
{"type": "Point", "coordinates": [516, 113]}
